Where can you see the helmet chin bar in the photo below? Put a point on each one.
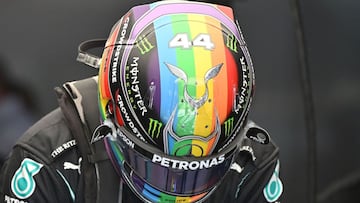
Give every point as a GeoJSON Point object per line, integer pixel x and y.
{"type": "Point", "coordinates": [158, 177]}
{"type": "Point", "coordinates": [143, 190]}
{"type": "Point", "coordinates": [150, 194]}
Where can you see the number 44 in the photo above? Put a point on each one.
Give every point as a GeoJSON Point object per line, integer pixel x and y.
{"type": "Point", "coordinates": [182, 40]}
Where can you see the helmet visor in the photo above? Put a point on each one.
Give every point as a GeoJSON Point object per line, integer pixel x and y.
{"type": "Point", "coordinates": [145, 166]}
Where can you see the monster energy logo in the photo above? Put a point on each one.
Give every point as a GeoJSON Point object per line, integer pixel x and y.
{"type": "Point", "coordinates": [231, 43]}
{"type": "Point", "coordinates": [144, 45]}
{"type": "Point", "coordinates": [23, 184]}
{"type": "Point", "coordinates": [154, 128]}
{"type": "Point", "coordinates": [228, 125]}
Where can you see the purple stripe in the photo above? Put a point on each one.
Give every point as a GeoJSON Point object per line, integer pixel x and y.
{"type": "Point", "coordinates": [139, 11]}
{"type": "Point", "coordinates": [185, 7]}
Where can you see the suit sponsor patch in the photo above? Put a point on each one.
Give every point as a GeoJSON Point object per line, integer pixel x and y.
{"type": "Point", "coordinates": [23, 184]}
{"type": "Point", "coordinates": [274, 188]}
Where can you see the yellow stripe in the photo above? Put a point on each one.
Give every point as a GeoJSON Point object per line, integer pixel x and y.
{"type": "Point", "coordinates": [203, 123]}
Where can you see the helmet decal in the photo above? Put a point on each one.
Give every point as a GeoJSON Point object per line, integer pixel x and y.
{"type": "Point", "coordinates": [189, 145]}
{"type": "Point", "coordinates": [184, 62]}
{"type": "Point", "coordinates": [195, 103]}
{"type": "Point", "coordinates": [175, 80]}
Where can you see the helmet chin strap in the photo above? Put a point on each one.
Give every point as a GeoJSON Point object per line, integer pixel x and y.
{"type": "Point", "coordinates": [88, 58]}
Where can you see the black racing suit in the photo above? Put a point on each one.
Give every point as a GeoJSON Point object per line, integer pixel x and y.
{"type": "Point", "coordinates": [47, 166]}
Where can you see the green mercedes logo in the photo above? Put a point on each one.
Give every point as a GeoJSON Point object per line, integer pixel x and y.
{"type": "Point", "coordinates": [274, 188]}
{"type": "Point", "coordinates": [23, 184]}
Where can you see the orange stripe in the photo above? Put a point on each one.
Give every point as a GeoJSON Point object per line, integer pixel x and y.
{"type": "Point", "coordinates": [232, 79]}
{"type": "Point", "coordinates": [106, 63]}
{"type": "Point", "coordinates": [220, 86]}
{"type": "Point", "coordinates": [227, 10]}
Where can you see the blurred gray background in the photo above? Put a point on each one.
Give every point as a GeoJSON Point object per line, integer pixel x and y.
{"type": "Point", "coordinates": [39, 39]}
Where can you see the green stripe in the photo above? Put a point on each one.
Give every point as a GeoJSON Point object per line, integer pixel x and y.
{"type": "Point", "coordinates": [118, 153]}
{"type": "Point", "coordinates": [185, 60]}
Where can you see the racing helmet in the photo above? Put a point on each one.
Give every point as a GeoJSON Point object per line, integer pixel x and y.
{"type": "Point", "coordinates": [175, 86]}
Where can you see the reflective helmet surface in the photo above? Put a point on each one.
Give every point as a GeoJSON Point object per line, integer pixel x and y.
{"type": "Point", "coordinates": [176, 80]}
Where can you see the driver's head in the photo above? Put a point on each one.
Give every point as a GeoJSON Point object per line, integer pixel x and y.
{"type": "Point", "coordinates": [175, 82]}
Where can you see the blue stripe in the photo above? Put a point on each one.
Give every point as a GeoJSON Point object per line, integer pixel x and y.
{"type": "Point", "coordinates": [150, 196]}
{"type": "Point", "coordinates": [152, 190]}
{"type": "Point", "coordinates": [171, 142]}
{"type": "Point", "coordinates": [151, 193]}
{"type": "Point", "coordinates": [169, 89]}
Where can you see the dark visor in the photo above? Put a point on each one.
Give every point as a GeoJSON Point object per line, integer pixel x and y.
{"type": "Point", "coordinates": [181, 176]}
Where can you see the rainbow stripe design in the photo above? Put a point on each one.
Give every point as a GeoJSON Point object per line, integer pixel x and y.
{"type": "Point", "coordinates": [204, 45]}
{"type": "Point", "coordinates": [195, 62]}
{"type": "Point", "coordinates": [157, 196]}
